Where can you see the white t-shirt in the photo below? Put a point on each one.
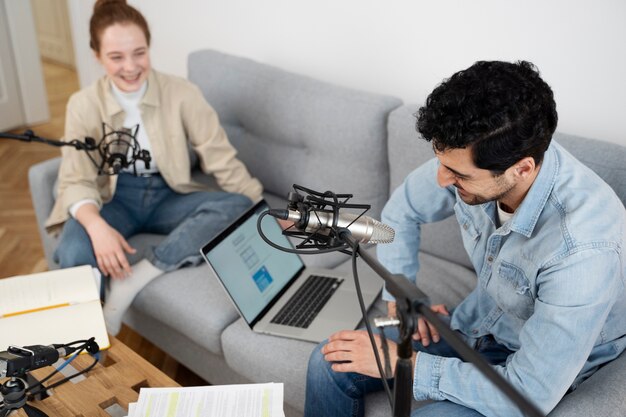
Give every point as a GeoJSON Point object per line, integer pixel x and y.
{"type": "Point", "coordinates": [503, 216]}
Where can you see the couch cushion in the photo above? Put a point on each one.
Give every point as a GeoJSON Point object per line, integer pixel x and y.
{"type": "Point", "coordinates": [192, 301]}
{"type": "Point", "coordinates": [263, 358]}
{"type": "Point", "coordinates": [603, 394]}
{"type": "Point", "coordinates": [290, 128]}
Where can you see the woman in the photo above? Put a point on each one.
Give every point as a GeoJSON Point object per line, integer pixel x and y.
{"type": "Point", "coordinates": [98, 213]}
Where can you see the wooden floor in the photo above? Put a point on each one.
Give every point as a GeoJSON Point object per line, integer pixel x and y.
{"type": "Point", "coordinates": [20, 248]}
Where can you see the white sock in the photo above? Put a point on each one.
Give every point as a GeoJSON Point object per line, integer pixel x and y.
{"type": "Point", "coordinates": [123, 291]}
{"type": "Point", "coordinates": [97, 278]}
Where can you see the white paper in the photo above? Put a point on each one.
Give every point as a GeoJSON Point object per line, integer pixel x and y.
{"type": "Point", "coordinates": [131, 409]}
{"type": "Point", "coordinates": [61, 286]}
{"type": "Point", "coordinates": [245, 400]}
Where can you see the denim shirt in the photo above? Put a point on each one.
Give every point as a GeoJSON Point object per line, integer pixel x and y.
{"type": "Point", "coordinates": [550, 282]}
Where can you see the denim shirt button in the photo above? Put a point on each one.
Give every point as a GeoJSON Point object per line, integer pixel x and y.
{"type": "Point", "coordinates": [490, 259]}
{"type": "Point", "coordinates": [474, 331]}
{"type": "Point", "coordinates": [465, 226]}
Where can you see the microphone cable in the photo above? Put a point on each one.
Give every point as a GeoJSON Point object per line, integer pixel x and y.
{"type": "Point", "coordinates": [383, 376]}
{"type": "Point", "coordinates": [92, 348]}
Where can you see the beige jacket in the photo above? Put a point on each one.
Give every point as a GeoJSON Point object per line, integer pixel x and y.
{"type": "Point", "coordinates": [174, 112]}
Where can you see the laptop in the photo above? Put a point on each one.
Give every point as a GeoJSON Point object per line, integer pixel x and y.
{"type": "Point", "coordinates": [273, 290]}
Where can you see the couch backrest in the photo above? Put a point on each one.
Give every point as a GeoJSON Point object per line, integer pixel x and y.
{"type": "Point", "coordinates": [606, 159]}
{"type": "Point", "coordinates": [290, 128]}
{"type": "Point", "coordinates": [407, 151]}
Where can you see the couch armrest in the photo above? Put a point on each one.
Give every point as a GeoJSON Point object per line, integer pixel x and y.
{"type": "Point", "coordinates": [42, 179]}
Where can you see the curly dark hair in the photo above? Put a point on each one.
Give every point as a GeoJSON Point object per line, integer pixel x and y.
{"type": "Point", "coordinates": [503, 111]}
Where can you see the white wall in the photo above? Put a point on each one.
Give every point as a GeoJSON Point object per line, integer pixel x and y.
{"type": "Point", "coordinates": [87, 66]}
{"type": "Point", "coordinates": [405, 47]}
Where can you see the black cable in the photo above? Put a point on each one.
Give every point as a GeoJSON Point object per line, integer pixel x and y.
{"type": "Point", "coordinates": [385, 347]}
{"type": "Point", "coordinates": [355, 274]}
{"type": "Point", "coordinates": [66, 379]}
{"type": "Point", "coordinates": [86, 344]}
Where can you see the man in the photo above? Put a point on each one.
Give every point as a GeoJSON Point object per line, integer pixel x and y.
{"type": "Point", "coordinates": [546, 237]}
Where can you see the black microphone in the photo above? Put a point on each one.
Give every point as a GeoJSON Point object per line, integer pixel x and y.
{"type": "Point", "coordinates": [119, 151]}
{"type": "Point", "coordinates": [363, 228]}
{"type": "Point", "coordinates": [16, 361]}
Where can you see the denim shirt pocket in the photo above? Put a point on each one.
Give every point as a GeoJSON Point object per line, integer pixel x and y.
{"type": "Point", "coordinates": [513, 291]}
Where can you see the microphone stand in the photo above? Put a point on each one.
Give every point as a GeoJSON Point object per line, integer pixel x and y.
{"type": "Point", "coordinates": [118, 149]}
{"type": "Point", "coordinates": [29, 136]}
{"type": "Point", "coordinates": [411, 301]}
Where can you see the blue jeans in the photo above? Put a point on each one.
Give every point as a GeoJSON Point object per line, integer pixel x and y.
{"type": "Point", "coordinates": [149, 205]}
{"type": "Point", "coordinates": [337, 394]}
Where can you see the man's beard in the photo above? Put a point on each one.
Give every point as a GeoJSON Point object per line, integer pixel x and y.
{"type": "Point", "coordinates": [504, 188]}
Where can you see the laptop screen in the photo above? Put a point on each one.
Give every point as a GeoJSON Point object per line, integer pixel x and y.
{"type": "Point", "coordinates": [250, 270]}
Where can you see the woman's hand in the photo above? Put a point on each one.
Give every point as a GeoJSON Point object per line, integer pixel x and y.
{"type": "Point", "coordinates": [425, 331]}
{"type": "Point", "coordinates": [109, 245]}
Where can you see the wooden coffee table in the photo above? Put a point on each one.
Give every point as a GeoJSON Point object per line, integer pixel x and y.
{"type": "Point", "coordinates": [115, 380]}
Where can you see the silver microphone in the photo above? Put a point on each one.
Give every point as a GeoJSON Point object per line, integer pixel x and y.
{"type": "Point", "coordinates": [364, 229]}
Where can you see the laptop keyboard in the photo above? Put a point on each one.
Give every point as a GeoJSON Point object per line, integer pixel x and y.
{"type": "Point", "coordinates": [307, 302]}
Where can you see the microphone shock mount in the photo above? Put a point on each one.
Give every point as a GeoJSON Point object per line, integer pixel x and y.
{"type": "Point", "coordinates": [311, 204]}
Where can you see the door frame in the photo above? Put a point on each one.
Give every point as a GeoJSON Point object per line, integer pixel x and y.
{"type": "Point", "coordinates": [27, 62]}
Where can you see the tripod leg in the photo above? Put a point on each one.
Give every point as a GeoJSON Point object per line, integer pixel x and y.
{"type": "Point", "coordinates": [33, 411]}
{"type": "Point", "coordinates": [31, 381]}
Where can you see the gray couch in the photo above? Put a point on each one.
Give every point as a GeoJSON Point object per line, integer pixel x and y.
{"type": "Point", "coordinates": [293, 129]}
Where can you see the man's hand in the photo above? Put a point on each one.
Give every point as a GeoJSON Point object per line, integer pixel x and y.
{"type": "Point", "coordinates": [108, 244]}
{"type": "Point", "coordinates": [425, 331]}
{"type": "Point", "coordinates": [285, 224]}
{"type": "Point", "coordinates": [351, 351]}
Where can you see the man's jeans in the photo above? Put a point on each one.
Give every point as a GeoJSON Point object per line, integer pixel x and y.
{"type": "Point", "coordinates": [148, 205]}
{"type": "Point", "coordinates": [337, 394]}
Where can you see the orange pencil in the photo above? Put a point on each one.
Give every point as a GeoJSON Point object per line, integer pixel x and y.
{"type": "Point", "coordinates": [35, 310]}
